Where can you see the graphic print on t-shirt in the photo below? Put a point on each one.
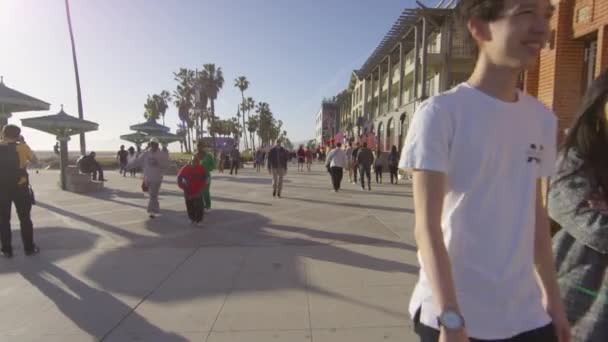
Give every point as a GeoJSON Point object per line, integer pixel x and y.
{"type": "Point", "coordinates": [535, 153]}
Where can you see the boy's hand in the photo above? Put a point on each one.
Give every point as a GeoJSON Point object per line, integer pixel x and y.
{"type": "Point", "coordinates": [453, 336]}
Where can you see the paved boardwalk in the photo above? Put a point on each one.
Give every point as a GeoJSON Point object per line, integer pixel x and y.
{"type": "Point", "coordinates": [313, 266]}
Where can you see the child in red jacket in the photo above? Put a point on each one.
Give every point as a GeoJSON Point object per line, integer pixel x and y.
{"type": "Point", "coordinates": [192, 178]}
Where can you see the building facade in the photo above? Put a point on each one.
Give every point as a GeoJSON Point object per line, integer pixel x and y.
{"type": "Point", "coordinates": [326, 122]}
{"type": "Point", "coordinates": [422, 55]}
{"type": "Point", "coordinates": [577, 53]}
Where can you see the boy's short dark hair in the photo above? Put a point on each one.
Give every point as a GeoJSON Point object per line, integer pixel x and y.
{"type": "Point", "coordinates": [11, 132]}
{"type": "Point", "coordinates": [339, 144]}
{"type": "Point", "coordinates": [486, 10]}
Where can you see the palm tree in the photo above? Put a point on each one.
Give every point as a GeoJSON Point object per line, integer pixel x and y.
{"type": "Point", "coordinates": [182, 130]}
{"type": "Point", "coordinates": [163, 103]}
{"type": "Point", "coordinates": [213, 81]}
{"type": "Point", "coordinates": [183, 100]}
{"type": "Point", "coordinates": [266, 122]}
{"type": "Point", "coordinates": [252, 126]}
{"type": "Point", "coordinates": [151, 109]}
{"type": "Point", "coordinates": [83, 146]}
{"type": "Point", "coordinates": [201, 101]}
{"type": "Point", "coordinates": [249, 104]}
{"type": "Point", "coordinates": [242, 83]}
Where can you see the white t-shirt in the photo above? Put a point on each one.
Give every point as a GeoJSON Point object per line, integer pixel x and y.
{"type": "Point", "coordinates": [336, 158]}
{"type": "Point", "coordinates": [493, 153]}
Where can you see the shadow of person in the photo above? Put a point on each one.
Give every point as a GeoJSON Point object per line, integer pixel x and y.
{"type": "Point", "coordinates": [94, 311]}
{"type": "Point", "coordinates": [56, 243]}
{"type": "Point", "coordinates": [227, 229]}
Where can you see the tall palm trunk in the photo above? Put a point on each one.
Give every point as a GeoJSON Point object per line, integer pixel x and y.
{"type": "Point", "coordinates": [83, 147]}
{"type": "Point", "coordinates": [188, 150]}
{"type": "Point", "coordinates": [243, 131]}
{"type": "Point", "coordinates": [212, 121]}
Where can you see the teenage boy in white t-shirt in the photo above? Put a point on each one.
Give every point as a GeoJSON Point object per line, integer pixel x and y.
{"type": "Point", "coordinates": [478, 153]}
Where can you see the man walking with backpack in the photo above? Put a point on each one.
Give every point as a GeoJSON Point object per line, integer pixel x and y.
{"type": "Point", "coordinates": [15, 189]}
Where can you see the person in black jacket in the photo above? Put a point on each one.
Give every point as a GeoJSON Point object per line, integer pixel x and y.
{"type": "Point", "coordinates": [15, 189]}
{"type": "Point", "coordinates": [355, 165]}
{"type": "Point", "coordinates": [277, 167]}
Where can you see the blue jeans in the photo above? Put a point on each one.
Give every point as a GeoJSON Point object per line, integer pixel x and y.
{"type": "Point", "coordinates": [367, 172]}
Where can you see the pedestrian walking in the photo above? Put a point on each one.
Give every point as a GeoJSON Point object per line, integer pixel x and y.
{"type": "Point", "coordinates": [365, 160]}
{"type": "Point", "coordinates": [277, 167]}
{"type": "Point", "coordinates": [379, 165]}
{"type": "Point", "coordinates": [154, 162]}
{"type": "Point", "coordinates": [475, 184]}
{"type": "Point", "coordinates": [259, 159]}
{"type": "Point", "coordinates": [15, 189]}
{"type": "Point", "coordinates": [192, 179]}
{"type": "Point", "coordinates": [393, 164]}
{"type": "Point", "coordinates": [221, 163]}
{"type": "Point", "coordinates": [235, 160]}
{"type": "Point", "coordinates": [301, 158]}
{"type": "Point", "coordinates": [122, 157]}
{"type": "Point", "coordinates": [578, 201]}
{"type": "Point", "coordinates": [309, 158]}
{"type": "Point", "coordinates": [336, 161]}
{"type": "Point", "coordinates": [130, 158]}
{"type": "Point", "coordinates": [355, 164]}
{"type": "Point", "coordinates": [208, 162]}
{"type": "Point", "coordinates": [349, 161]}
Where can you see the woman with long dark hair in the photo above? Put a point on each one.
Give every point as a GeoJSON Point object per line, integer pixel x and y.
{"type": "Point", "coordinates": [578, 202]}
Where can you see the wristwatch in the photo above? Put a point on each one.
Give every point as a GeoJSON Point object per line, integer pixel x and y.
{"type": "Point", "coordinates": [451, 320]}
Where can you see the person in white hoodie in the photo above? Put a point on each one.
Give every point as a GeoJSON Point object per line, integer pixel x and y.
{"type": "Point", "coordinates": [335, 163]}
{"type": "Point", "coordinates": [154, 162]}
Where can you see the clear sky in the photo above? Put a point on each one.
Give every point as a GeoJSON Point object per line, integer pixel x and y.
{"type": "Point", "coordinates": [293, 52]}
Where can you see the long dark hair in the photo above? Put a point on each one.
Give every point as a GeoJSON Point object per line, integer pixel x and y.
{"type": "Point", "coordinates": [589, 134]}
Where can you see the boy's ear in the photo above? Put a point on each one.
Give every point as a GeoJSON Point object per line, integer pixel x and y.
{"type": "Point", "coordinates": [480, 30]}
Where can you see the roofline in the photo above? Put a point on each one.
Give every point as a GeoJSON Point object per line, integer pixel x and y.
{"type": "Point", "coordinates": [401, 29]}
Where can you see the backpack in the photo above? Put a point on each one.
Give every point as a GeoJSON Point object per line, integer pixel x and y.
{"type": "Point", "coordinates": [9, 161]}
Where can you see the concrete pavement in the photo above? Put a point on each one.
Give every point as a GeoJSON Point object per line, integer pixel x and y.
{"type": "Point", "coordinates": [311, 266]}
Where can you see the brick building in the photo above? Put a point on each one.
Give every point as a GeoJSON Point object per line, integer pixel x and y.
{"type": "Point", "coordinates": [576, 54]}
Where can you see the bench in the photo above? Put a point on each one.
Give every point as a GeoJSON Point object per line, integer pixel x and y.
{"type": "Point", "coordinates": [80, 182]}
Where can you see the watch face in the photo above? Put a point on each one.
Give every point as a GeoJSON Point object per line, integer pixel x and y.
{"type": "Point", "coordinates": [451, 320]}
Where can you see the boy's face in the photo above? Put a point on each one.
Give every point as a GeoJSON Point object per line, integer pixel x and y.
{"type": "Point", "coordinates": [515, 39]}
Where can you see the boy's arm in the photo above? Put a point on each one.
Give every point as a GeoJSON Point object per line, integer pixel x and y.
{"type": "Point", "coordinates": [429, 191]}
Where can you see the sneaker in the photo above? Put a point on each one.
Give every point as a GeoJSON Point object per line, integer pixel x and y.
{"type": "Point", "coordinates": [7, 254]}
{"type": "Point", "coordinates": [274, 194]}
{"type": "Point", "coordinates": [152, 216]}
{"type": "Point", "coordinates": [33, 251]}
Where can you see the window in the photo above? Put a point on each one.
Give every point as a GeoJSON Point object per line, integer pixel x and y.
{"type": "Point", "coordinates": [589, 64]}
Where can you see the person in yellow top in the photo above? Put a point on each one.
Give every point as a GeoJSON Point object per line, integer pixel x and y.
{"type": "Point", "coordinates": [26, 157]}
{"type": "Point", "coordinates": [14, 188]}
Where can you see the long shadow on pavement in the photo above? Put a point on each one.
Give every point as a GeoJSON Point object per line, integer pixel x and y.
{"type": "Point", "coordinates": [352, 205]}
{"type": "Point", "coordinates": [92, 310]}
{"type": "Point", "coordinates": [232, 229]}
